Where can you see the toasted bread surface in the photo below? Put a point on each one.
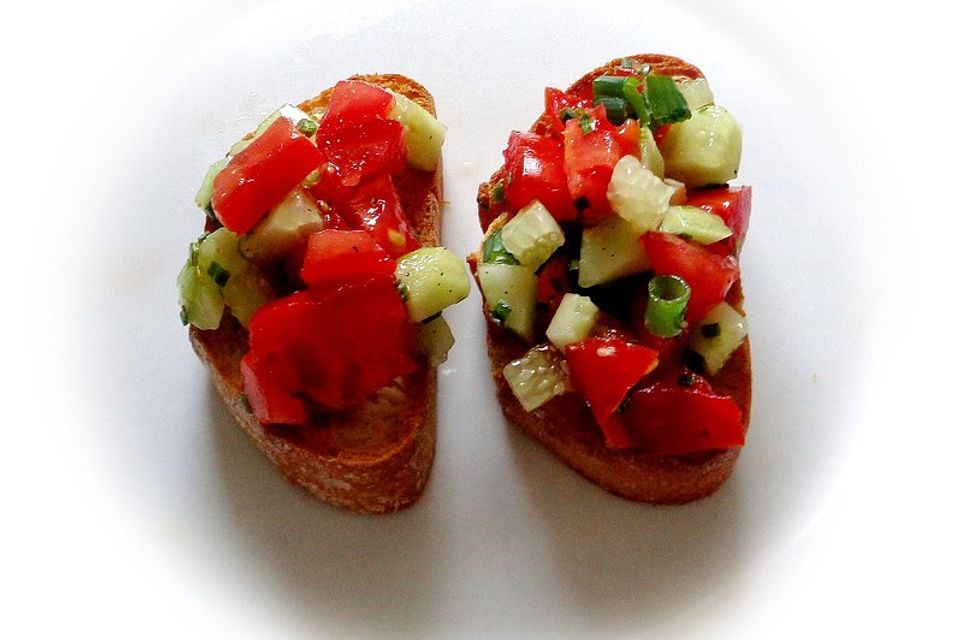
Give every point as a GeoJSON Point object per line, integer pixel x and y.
{"type": "Point", "coordinates": [374, 458]}
{"type": "Point", "coordinates": [565, 425]}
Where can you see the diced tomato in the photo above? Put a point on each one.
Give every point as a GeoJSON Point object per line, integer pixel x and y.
{"type": "Point", "coordinates": [335, 256]}
{"type": "Point", "coordinates": [730, 203]}
{"type": "Point", "coordinates": [267, 384]}
{"type": "Point", "coordinates": [355, 151]}
{"type": "Point", "coordinates": [603, 370]}
{"type": "Point", "coordinates": [556, 101]}
{"type": "Point", "coordinates": [534, 171]}
{"type": "Point", "coordinates": [374, 206]}
{"type": "Point", "coordinates": [553, 282]}
{"type": "Point", "coordinates": [666, 419]}
{"type": "Point", "coordinates": [261, 175]}
{"type": "Point", "coordinates": [588, 160]}
{"type": "Point", "coordinates": [354, 101]}
{"type": "Point", "coordinates": [343, 343]}
{"type": "Point", "coordinates": [710, 276]}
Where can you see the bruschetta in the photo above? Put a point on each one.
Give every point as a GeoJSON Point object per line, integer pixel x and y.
{"type": "Point", "coordinates": [611, 283]}
{"type": "Point", "coordinates": [315, 293]}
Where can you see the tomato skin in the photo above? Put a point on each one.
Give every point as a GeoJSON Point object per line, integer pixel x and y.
{"type": "Point", "coordinates": [354, 101]}
{"type": "Point", "coordinates": [667, 419]}
{"type": "Point", "coordinates": [534, 171]}
{"type": "Point", "coordinates": [374, 206]}
{"type": "Point", "coordinates": [344, 342]}
{"type": "Point", "coordinates": [730, 203]}
{"type": "Point", "coordinates": [588, 161]}
{"type": "Point", "coordinates": [261, 175]}
{"type": "Point", "coordinates": [335, 255]}
{"type": "Point", "coordinates": [603, 370]}
{"type": "Point", "coordinates": [266, 384]}
{"type": "Point", "coordinates": [355, 151]}
{"type": "Point", "coordinates": [710, 276]}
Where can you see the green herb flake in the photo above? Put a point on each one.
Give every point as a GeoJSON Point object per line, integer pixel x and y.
{"type": "Point", "coordinates": [307, 127]}
{"type": "Point", "coordinates": [587, 122]}
{"type": "Point", "coordinates": [245, 403]}
{"type": "Point", "coordinates": [497, 193]}
{"type": "Point", "coordinates": [404, 291]}
{"type": "Point", "coordinates": [494, 252]}
{"type": "Point", "coordinates": [686, 379]}
{"type": "Point", "coordinates": [218, 273]}
{"type": "Point", "coordinates": [184, 317]}
{"type": "Point", "coordinates": [501, 311]}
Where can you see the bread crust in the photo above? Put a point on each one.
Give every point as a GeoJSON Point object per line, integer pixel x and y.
{"type": "Point", "coordinates": [375, 458]}
{"type": "Point", "coordinates": [565, 426]}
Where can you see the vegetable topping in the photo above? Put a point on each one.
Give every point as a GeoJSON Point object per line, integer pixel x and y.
{"type": "Point", "coordinates": [307, 208]}
{"type": "Point", "coordinates": [614, 256]}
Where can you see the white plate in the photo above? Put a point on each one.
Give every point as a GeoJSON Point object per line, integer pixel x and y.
{"type": "Point", "coordinates": [169, 520]}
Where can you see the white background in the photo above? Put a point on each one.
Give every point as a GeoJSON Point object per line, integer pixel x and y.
{"type": "Point", "coordinates": [134, 508]}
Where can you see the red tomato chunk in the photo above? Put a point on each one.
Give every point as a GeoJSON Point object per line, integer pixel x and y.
{"type": "Point", "coordinates": [534, 168]}
{"type": "Point", "coordinates": [335, 255]}
{"type": "Point", "coordinates": [375, 207]}
{"type": "Point", "coordinates": [343, 343]}
{"type": "Point", "coordinates": [603, 370]}
{"type": "Point", "coordinates": [260, 176]}
{"type": "Point", "coordinates": [672, 420]}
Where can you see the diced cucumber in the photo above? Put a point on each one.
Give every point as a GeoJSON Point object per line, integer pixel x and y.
{"type": "Point", "coordinates": [537, 377]}
{"type": "Point", "coordinates": [205, 194]}
{"type": "Point", "coordinates": [200, 299]}
{"type": "Point", "coordinates": [718, 335]}
{"type": "Point", "coordinates": [221, 247]}
{"type": "Point", "coordinates": [423, 133]}
{"type": "Point", "coordinates": [434, 340]}
{"type": "Point", "coordinates": [704, 149]}
{"type": "Point", "coordinates": [245, 292]}
{"type": "Point", "coordinates": [695, 223]}
{"type": "Point", "coordinates": [284, 229]}
{"type": "Point", "coordinates": [610, 250]}
{"type": "Point", "coordinates": [511, 289]}
{"type": "Point", "coordinates": [244, 288]}
{"type": "Point", "coordinates": [532, 235]}
{"type": "Point", "coordinates": [696, 92]}
{"type": "Point", "coordinates": [433, 278]}
{"type": "Point", "coordinates": [650, 156]}
{"type": "Point", "coordinates": [573, 320]}
{"type": "Point", "coordinates": [637, 195]}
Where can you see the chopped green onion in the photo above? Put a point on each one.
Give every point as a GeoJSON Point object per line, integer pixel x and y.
{"type": "Point", "coordinates": [636, 100]}
{"type": "Point", "coordinates": [218, 273]}
{"type": "Point", "coordinates": [666, 305]}
{"type": "Point", "coordinates": [307, 127]}
{"type": "Point", "coordinates": [711, 330]}
{"type": "Point", "coordinates": [616, 108]}
{"type": "Point", "coordinates": [501, 311]}
{"type": "Point", "coordinates": [666, 102]}
{"type": "Point", "coordinates": [497, 194]}
{"type": "Point", "coordinates": [195, 248]}
{"type": "Point", "coordinates": [611, 86]}
{"type": "Point", "coordinates": [494, 251]}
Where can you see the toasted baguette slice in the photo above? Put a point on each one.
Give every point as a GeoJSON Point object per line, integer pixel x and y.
{"type": "Point", "coordinates": [565, 426]}
{"type": "Point", "coordinates": [377, 457]}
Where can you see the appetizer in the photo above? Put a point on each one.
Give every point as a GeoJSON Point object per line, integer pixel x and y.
{"type": "Point", "coordinates": [611, 282]}
{"type": "Point", "coordinates": [315, 293]}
